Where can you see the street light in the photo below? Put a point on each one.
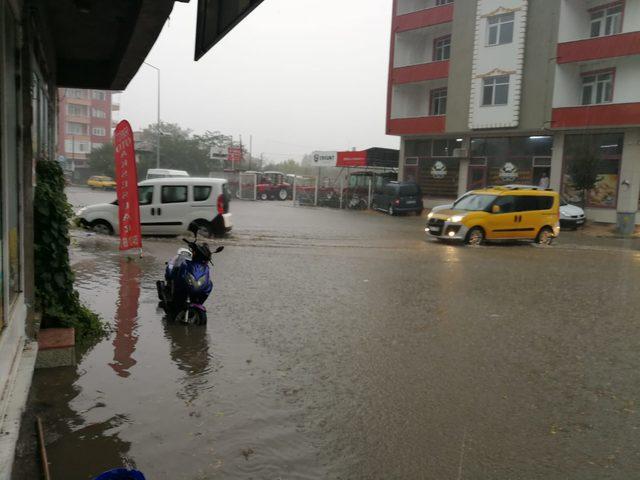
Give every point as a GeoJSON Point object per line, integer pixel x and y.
{"type": "Point", "coordinates": [158, 135]}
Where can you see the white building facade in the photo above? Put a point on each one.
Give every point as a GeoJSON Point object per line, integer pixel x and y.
{"type": "Point", "coordinates": [491, 92]}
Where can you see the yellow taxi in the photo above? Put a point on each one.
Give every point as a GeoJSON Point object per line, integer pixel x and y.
{"type": "Point", "coordinates": [499, 213]}
{"type": "Point", "coordinates": [101, 181]}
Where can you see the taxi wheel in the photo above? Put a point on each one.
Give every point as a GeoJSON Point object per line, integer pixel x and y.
{"type": "Point", "coordinates": [545, 236]}
{"type": "Point", "coordinates": [475, 237]}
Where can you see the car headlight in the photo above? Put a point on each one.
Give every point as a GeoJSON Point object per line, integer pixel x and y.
{"type": "Point", "coordinates": [456, 218]}
{"type": "Point", "coordinates": [430, 215]}
{"type": "Point", "coordinates": [81, 212]}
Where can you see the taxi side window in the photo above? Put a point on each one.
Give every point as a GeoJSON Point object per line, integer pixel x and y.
{"type": "Point", "coordinates": [506, 203]}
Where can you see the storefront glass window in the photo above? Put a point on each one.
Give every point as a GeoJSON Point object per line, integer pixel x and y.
{"type": "Point", "coordinates": [609, 149]}
{"type": "Point", "coordinates": [12, 170]}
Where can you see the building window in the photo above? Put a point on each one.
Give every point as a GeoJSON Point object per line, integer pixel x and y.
{"type": "Point", "coordinates": [495, 90]}
{"type": "Point", "coordinates": [96, 146]}
{"type": "Point", "coordinates": [76, 93]}
{"type": "Point", "coordinates": [96, 112]}
{"type": "Point", "coordinates": [99, 131]}
{"type": "Point", "coordinates": [74, 147]}
{"type": "Point", "coordinates": [443, 2]}
{"type": "Point", "coordinates": [74, 128]}
{"type": "Point", "coordinates": [442, 48]}
{"type": "Point", "coordinates": [597, 87]}
{"type": "Point", "coordinates": [77, 110]}
{"type": "Point", "coordinates": [608, 148]}
{"type": "Point", "coordinates": [500, 29]}
{"type": "Point", "coordinates": [98, 95]}
{"type": "Point", "coordinates": [606, 21]}
{"type": "Point", "coordinates": [438, 102]}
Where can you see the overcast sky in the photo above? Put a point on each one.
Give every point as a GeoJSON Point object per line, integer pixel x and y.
{"type": "Point", "coordinates": [298, 75]}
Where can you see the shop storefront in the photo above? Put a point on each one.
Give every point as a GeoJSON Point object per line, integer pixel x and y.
{"type": "Point", "coordinates": [433, 165]}
{"type": "Point", "coordinates": [510, 160]}
{"type": "Point", "coordinates": [609, 149]}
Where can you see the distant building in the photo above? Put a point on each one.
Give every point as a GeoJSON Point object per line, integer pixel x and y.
{"type": "Point", "coordinates": [84, 124]}
{"type": "Point", "coordinates": [493, 92]}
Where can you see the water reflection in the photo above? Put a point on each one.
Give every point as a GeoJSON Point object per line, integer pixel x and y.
{"type": "Point", "coordinates": [126, 319]}
{"type": "Point", "coordinates": [190, 352]}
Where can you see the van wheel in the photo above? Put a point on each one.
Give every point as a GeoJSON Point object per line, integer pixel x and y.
{"type": "Point", "coordinates": [283, 194]}
{"type": "Point", "coordinates": [204, 228]}
{"type": "Point", "coordinates": [102, 227]}
{"type": "Point", "coordinates": [391, 211]}
{"type": "Point", "coordinates": [475, 237]}
{"type": "Point", "coordinates": [545, 236]}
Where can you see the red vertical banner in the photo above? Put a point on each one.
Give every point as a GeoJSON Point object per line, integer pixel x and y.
{"type": "Point", "coordinates": [127, 187]}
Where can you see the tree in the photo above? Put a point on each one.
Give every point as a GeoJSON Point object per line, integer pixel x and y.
{"type": "Point", "coordinates": [583, 169]}
{"type": "Point", "coordinates": [101, 160]}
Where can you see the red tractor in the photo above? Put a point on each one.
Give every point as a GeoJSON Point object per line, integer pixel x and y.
{"type": "Point", "coordinates": [272, 185]}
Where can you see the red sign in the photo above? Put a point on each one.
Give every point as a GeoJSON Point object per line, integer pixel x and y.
{"type": "Point", "coordinates": [352, 159]}
{"type": "Point", "coordinates": [234, 154]}
{"type": "Point", "coordinates": [127, 188]}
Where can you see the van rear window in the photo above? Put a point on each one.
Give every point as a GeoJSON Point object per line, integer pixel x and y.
{"type": "Point", "coordinates": [409, 190]}
{"type": "Point", "coordinates": [201, 193]}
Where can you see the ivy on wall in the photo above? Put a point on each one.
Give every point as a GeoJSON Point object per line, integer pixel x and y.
{"type": "Point", "coordinates": [56, 297]}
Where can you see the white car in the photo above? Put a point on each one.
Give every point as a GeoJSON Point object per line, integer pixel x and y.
{"type": "Point", "coordinates": [168, 206]}
{"type": "Point", "coordinates": [165, 173]}
{"type": "Point", "coordinates": [571, 216]}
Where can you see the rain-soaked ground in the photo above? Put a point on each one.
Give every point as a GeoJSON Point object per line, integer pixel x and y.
{"type": "Point", "coordinates": [344, 345]}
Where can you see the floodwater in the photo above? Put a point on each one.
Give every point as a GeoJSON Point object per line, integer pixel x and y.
{"type": "Point", "coordinates": [343, 345]}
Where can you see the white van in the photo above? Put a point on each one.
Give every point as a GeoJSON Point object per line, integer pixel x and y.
{"type": "Point", "coordinates": [165, 173]}
{"type": "Point", "coordinates": [168, 206]}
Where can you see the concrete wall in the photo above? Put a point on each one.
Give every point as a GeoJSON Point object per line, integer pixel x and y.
{"type": "Point", "coordinates": [568, 82]}
{"type": "Point", "coordinates": [461, 65]}
{"type": "Point", "coordinates": [629, 190]}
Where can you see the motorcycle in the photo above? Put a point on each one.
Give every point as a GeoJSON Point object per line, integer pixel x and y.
{"type": "Point", "coordinates": [187, 283]}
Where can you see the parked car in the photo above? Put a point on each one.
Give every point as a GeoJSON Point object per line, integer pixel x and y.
{"type": "Point", "coordinates": [101, 181]}
{"type": "Point", "coordinates": [168, 206]}
{"type": "Point", "coordinates": [165, 173]}
{"type": "Point", "coordinates": [571, 216]}
{"type": "Point", "coordinates": [499, 213]}
{"type": "Point", "coordinates": [398, 197]}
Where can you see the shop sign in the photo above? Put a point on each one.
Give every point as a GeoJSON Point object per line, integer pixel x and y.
{"type": "Point", "coordinates": [508, 172]}
{"type": "Point", "coordinates": [234, 154]}
{"type": "Point", "coordinates": [439, 170]}
{"type": "Point", "coordinates": [352, 159]}
{"type": "Point", "coordinates": [325, 159]}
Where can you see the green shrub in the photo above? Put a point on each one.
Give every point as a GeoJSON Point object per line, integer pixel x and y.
{"type": "Point", "coordinates": [56, 297]}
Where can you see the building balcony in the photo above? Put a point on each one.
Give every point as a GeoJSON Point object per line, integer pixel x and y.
{"type": "Point", "coordinates": [428, 16]}
{"type": "Point", "coordinates": [584, 19]}
{"type": "Point", "coordinates": [115, 107]}
{"type": "Point", "coordinates": [419, 73]}
{"type": "Point", "coordinates": [603, 115]}
{"type": "Point", "coordinates": [620, 45]}
{"type": "Point", "coordinates": [417, 126]}
{"type": "Point", "coordinates": [78, 119]}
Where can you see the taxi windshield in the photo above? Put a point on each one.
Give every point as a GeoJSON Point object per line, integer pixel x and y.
{"type": "Point", "coordinates": [474, 203]}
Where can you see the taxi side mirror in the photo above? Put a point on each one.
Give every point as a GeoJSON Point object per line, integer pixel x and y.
{"type": "Point", "coordinates": [495, 209]}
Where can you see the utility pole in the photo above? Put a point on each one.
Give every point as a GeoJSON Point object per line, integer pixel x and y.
{"type": "Point", "coordinates": [158, 122]}
{"type": "Point", "coordinates": [250, 151]}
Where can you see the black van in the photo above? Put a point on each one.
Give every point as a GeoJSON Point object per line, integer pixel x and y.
{"type": "Point", "coordinates": [399, 197]}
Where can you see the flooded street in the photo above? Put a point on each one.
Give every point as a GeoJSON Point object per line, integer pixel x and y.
{"type": "Point", "coordinates": [344, 345]}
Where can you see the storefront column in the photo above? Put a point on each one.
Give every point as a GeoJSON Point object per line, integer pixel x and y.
{"type": "Point", "coordinates": [463, 174]}
{"type": "Point", "coordinates": [557, 156]}
{"type": "Point", "coordinates": [629, 188]}
{"type": "Point", "coordinates": [401, 160]}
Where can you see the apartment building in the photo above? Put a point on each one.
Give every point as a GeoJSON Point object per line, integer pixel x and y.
{"type": "Point", "coordinates": [84, 124]}
{"type": "Point", "coordinates": [494, 92]}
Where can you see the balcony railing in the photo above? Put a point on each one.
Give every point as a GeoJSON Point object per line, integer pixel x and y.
{"type": "Point", "coordinates": [606, 115]}
{"type": "Point", "coordinates": [423, 18]}
{"type": "Point", "coordinates": [417, 126]}
{"type": "Point", "coordinates": [621, 45]}
{"type": "Point", "coordinates": [419, 73]}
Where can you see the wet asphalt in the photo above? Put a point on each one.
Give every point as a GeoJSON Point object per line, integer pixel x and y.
{"type": "Point", "coordinates": [346, 345]}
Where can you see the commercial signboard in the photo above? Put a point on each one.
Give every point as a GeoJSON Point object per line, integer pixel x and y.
{"type": "Point", "coordinates": [127, 187]}
{"type": "Point", "coordinates": [324, 159]}
{"type": "Point", "coordinates": [352, 159]}
{"type": "Point", "coordinates": [234, 154]}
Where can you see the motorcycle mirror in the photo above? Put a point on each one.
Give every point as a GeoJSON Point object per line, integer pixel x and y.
{"type": "Point", "coordinates": [219, 249]}
{"type": "Point", "coordinates": [193, 228]}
